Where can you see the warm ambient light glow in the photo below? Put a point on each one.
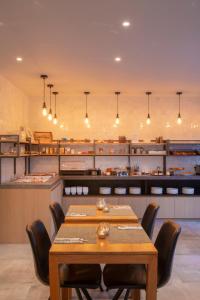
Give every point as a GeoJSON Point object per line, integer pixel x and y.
{"type": "Point", "coordinates": [86, 120]}
{"type": "Point", "coordinates": [61, 125]}
{"type": "Point", "coordinates": [44, 111]}
{"type": "Point", "coordinates": [179, 120]}
{"type": "Point", "coordinates": [118, 59]}
{"type": "Point", "coordinates": [148, 121]}
{"type": "Point", "coordinates": [117, 120]}
{"type": "Point", "coordinates": [55, 120]}
{"type": "Point", "coordinates": [19, 59]}
{"type": "Point", "coordinates": [126, 24]}
{"type": "Point", "coordinates": [50, 117]}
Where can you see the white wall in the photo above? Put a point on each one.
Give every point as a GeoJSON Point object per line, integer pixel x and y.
{"type": "Point", "coordinates": [133, 111]}
{"type": "Point", "coordinates": [13, 114]}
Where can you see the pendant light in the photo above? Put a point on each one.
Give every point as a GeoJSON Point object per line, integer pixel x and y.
{"type": "Point", "coordinates": [148, 120]}
{"type": "Point", "coordinates": [117, 115]}
{"type": "Point", "coordinates": [55, 119]}
{"type": "Point", "coordinates": [86, 120]}
{"type": "Point", "coordinates": [50, 116]}
{"type": "Point", "coordinates": [44, 106]}
{"type": "Point", "coordinates": [179, 120]}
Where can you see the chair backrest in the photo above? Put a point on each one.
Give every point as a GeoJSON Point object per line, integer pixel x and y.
{"type": "Point", "coordinates": [148, 220]}
{"type": "Point", "coordinates": [40, 244]}
{"type": "Point", "coordinates": [57, 214]}
{"type": "Point", "coordinates": [166, 244]}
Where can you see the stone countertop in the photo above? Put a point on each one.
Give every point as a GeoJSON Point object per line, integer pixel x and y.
{"type": "Point", "coordinates": [41, 185]}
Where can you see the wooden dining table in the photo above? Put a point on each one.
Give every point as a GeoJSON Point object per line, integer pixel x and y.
{"type": "Point", "coordinates": [119, 247]}
{"type": "Point", "coordinates": [90, 214]}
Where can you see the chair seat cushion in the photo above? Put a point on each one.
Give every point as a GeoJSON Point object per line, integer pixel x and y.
{"type": "Point", "coordinates": [116, 276]}
{"type": "Point", "coordinates": [84, 275]}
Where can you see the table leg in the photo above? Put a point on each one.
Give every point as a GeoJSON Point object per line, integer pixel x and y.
{"type": "Point", "coordinates": [135, 295]}
{"type": "Point", "coordinates": [66, 294]}
{"type": "Point", "coordinates": [54, 278]}
{"type": "Point", "coordinates": [151, 287]}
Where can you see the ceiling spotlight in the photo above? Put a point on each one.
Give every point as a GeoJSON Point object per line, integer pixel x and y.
{"type": "Point", "coordinates": [118, 59]}
{"type": "Point", "coordinates": [126, 24]}
{"type": "Point", "coordinates": [19, 59]}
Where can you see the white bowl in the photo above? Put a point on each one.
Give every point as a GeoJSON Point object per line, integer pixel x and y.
{"type": "Point", "coordinates": [135, 190]}
{"type": "Point", "coordinates": [187, 191]}
{"type": "Point", "coordinates": [156, 190]}
{"type": "Point", "coordinates": [85, 190]}
{"type": "Point", "coordinates": [120, 191]}
{"type": "Point", "coordinates": [73, 190]}
{"type": "Point", "coordinates": [172, 191]}
{"type": "Point", "coordinates": [67, 190]}
{"type": "Point", "coordinates": [79, 190]}
{"type": "Point", "coordinates": [105, 190]}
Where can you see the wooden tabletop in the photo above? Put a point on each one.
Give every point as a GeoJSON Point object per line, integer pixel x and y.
{"type": "Point", "coordinates": [136, 243]}
{"type": "Point", "coordinates": [117, 213]}
{"type": "Point", "coordinates": [137, 249]}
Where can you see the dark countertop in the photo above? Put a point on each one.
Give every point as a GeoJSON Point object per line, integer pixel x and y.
{"type": "Point", "coordinates": [144, 177]}
{"type": "Point", "coordinates": [54, 180]}
{"type": "Point", "coordinates": [46, 185]}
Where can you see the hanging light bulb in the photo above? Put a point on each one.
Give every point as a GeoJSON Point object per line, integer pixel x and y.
{"type": "Point", "coordinates": [117, 121]}
{"type": "Point", "coordinates": [86, 120]}
{"type": "Point", "coordinates": [61, 126]}
{"type": "Point", "coordinates": [148, 120]}
{"type": "Point", "coordinates": [50, 116]}
{"type": "Point", "coordinates": [44, 106]}
{"type": "Point", "coordinates": [179, 119]}
{"type": "Point", "coordinates": [55, 119]}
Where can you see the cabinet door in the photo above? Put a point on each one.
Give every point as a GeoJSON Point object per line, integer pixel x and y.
{"type": "Point", "coordinates": [166, 206]}
{"type": "Point", "coordinates": [138, 204]}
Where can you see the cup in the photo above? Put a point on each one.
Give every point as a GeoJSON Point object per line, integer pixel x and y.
{"type": "Point", "coordinates": [85, 190]}
{"type": "Point", "coordinates": [67, 190]}
{"type": "Point", "coordinates": [103, 230]}
{"type": "Point", "coordinates": [79, 190]}
{"type": "Point", "coordinates": [101, 203]}
{"type": "Point", "coordinates": [73, 190]}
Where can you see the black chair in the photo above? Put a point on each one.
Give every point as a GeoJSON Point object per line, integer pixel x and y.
{"type": "Point", "coordinates": [148, 220]}
{"type": "Point", "coordinates": [133, 277]}
{"type": "Point", "coordinates": [80, 277]}
{"type": "Point", "coordinates": [57, 215]}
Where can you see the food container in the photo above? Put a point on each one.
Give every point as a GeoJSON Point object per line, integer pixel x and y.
{"type": "Point", "coordinates": [188, 191]}
{"type": "Point", "coordinates": [105, 190]}
{"type": "Point", "coordinates": [172, 191]}
{"type": "Point", "coordinates": [156, 190]}
{"type": "Point", "coordinates": [135, 190]}
{"type": "Point", "coordinates": [120, 191]}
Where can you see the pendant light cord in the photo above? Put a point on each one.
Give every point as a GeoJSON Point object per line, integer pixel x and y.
{"type": "Point", "coordinates": [55, 103]}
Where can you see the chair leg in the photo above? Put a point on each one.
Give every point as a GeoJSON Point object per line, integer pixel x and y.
{"type": "Point", "coordinates": [136, 294]}
{"type": "Point", "coordinates": [79, 294]}
{"type": "Point", "coordinates": [85, 292]}
{"type": "Point", "coordinates": [66, 293]}
{"type": "Point", "coordinates": [127, 294]}
{"type": "Point", "coordinates": [118, 294]}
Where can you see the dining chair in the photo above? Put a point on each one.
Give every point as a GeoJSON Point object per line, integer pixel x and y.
{"type": "Point", "coordinates": [133, 277]}
{"type": "Point", "coordinates": [80, 277]}
{"type": "Point", "coordinates": [149, 218]}
{"type": "Point", "coordinates": [57, 215]}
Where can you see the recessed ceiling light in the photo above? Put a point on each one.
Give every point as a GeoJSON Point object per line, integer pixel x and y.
{"type": "Point", "coordinates": [118, 59]}
{"type": "Point", "coordinates": [126, 24]}
{"type": "Point", "coordinates": [19, 59]}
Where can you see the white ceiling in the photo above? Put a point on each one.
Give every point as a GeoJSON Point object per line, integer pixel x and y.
{"type": "Point", "coordinates": [75, 42]}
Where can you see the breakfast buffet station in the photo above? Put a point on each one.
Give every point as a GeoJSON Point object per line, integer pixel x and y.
{"type": "Point", "coordinates": [120, 171]}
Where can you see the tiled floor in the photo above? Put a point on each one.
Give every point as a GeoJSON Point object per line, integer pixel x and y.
{"type": "Point", "coordinates": [18, 282]}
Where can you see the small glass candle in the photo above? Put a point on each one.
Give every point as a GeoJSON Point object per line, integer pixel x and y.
{"type": "Point", "coordinates": [101, 203]}
{"type": "Point", "coordinates": [103, 230]}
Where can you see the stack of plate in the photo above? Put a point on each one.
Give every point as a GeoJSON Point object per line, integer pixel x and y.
{"type": "Point", "coordinates": [120, 191]}
{"type": "Point", "coordinates": [105, 190]}
{"type": "Point", "coordinates": [172, 191]}
{"type": "Point", "coordinates": [135, 190]}
{"type": "Point", "coordinates": [188, 191]}
{"type": "Point", "coordinates": [156, 190]}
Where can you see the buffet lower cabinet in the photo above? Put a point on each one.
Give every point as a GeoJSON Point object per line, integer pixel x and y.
{"type": "Point", "coordinates": [187, 207]}
{"type": "Point", "coordinates": [166, 206]}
